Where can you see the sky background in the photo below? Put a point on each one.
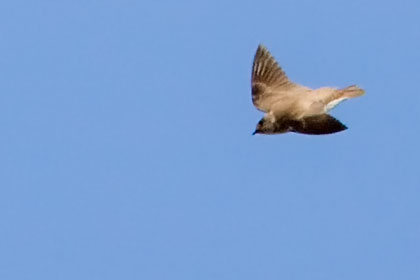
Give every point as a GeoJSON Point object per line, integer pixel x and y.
{"type": "Point", "coordinates": [126, 149]}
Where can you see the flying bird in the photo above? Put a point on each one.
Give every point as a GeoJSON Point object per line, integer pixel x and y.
{"type": "Point", "coordinates": [290, 107]}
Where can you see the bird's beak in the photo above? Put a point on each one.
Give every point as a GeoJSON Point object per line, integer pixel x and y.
{"type": "Point", "coordinates": [255, 132]}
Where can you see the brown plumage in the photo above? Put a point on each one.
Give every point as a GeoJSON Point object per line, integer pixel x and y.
{"type": "Point", "coordinates": [290, 107]}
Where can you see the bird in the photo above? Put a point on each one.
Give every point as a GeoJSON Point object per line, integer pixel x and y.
{"type": "Point", "coordinates": [290, 107]}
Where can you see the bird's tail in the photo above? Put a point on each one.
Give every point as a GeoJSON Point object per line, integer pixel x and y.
{"type": "Point", "coordinates": [352, 91]}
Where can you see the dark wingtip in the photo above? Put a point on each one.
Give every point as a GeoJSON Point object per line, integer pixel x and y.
{"type": "Point", "coordinates": [261, 46]}
{"type": "Point", "coordinates": [261, 50]}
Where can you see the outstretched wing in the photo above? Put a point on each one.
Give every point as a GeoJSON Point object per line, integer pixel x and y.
{"type": "Point", "coordinates": [269, 82]}
{"type": "Point", "coordinates": [320, 124]}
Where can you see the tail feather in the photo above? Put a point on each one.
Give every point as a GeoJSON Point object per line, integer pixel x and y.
{"type": "Point", "coordinates": [342, 94]}
{"type": "Point", "coordinates": [352, 91]}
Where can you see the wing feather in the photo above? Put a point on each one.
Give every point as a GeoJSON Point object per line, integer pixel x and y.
{"type": "Point", "coordinates": [269, 81]}
{"type": "Point", "coordinates": [319, 124]}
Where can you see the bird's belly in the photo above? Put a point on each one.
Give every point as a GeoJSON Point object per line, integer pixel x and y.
{"type": "Point", "coordinates": [284, 108]}
{"type": "Point", "coordinates": [307, 107]}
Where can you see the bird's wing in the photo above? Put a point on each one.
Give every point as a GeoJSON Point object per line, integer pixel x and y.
{"type": "Point", "coordinates": [269, 82]}
{"type": "Point", "coordinates": [316, 125]}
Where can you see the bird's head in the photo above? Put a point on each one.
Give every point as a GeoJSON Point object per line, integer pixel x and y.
{"type": "Point", "coordinates": [269, 126]}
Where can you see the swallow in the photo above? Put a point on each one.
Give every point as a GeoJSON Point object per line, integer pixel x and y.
{"type": "Point", "coordinates": [291, 107]}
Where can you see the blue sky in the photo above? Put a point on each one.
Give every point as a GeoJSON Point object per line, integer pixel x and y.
{"type": "Point", "coordinates": [126, 148]}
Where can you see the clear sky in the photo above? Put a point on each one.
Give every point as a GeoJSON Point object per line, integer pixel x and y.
{"type": "Point", "coordinates": [126, 149]}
